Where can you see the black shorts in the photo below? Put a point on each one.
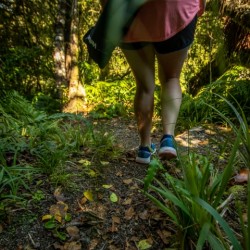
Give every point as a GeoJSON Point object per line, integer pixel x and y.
{"type": "Point", "coordinates": [181, 40]}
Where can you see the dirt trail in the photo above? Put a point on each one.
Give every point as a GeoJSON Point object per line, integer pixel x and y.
{"type": "Point", "coordinates": [132, 222]}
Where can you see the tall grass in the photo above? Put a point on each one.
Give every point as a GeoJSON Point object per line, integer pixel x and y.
{"type": "Point", "coordinates": [194, 203]}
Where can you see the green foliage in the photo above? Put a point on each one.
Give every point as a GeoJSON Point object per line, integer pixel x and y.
{"type": "Point", "coordinates": [110, 99]}
{"type": "Point", "coordinates": [195, 201]}
{"type": "Point", "coordinates": [192, 201]}
{"type": "Point", "coordinates": [33, 142]}
{"type": "Point", "coordinates": [232, 85]}
{"type": "Point", "coordinates": [241, 130]}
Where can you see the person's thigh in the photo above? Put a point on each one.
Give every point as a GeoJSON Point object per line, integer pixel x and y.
{"type": "Point", "coordinates": [170, 64]}
{"type": "Point", "coordinates": [142, 64]}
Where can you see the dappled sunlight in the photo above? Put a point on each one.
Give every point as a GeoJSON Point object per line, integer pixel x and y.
{"type": "Point", "coordinates": [201, 138]}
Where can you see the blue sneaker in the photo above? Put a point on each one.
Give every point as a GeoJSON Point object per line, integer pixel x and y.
{"type": "Point", "coordinates": [144, 154]}
{"type": "Point", "coordinates": [167, 149]}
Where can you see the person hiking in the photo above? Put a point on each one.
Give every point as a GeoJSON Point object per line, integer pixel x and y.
{"type": "Point", "coordinates": [162, 30]}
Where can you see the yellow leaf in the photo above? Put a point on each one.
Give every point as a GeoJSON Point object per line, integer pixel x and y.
{"type": "Point", "coordinates": [143, 245]}
{"type": "Point", "coordinates": [47, 217]}
{"type": "Point", "coordinates": [104, 163]}
{"type": "Point", "coordinates": [92, 173]}
{"type": "Point", "coordinates": [89, 195]}
{"type": "Point", "coordinates": [85, 162]}
{"type": "Point", "coordinates": [107, 186]}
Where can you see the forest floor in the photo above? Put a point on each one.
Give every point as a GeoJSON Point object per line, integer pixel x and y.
{"type": "Point", "coordinates": [97, 221]}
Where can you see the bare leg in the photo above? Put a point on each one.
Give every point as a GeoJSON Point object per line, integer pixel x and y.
{"type": "Point", "coordinates": [142, 64]}
{"type": "Point", "coordinates": [170, 66]}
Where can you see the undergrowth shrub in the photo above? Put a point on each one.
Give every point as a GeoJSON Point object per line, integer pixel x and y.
{"type": "Point", "coordinates": [197, 199]}
{"type": "Point", "coordinates": [33, 142]}
{"type": "Point", "coordinates": [110, 99]}
{"type": "Point", "coordinates": [232, 85]}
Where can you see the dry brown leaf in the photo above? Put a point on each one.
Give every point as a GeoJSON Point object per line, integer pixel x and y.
{"type": "Point", "coordinates": [156, 216]}
{"type": "Point", "coordinates": [93, 243]}
{"type": "Point", "coordinates": [59, 210]}
{"type": "Point", "coordinates": [128, 181]}
{"type": "Point", "coordinates": [73, 231]}
{"type": "Point", "coordinates": [116, 219]}
{"type": "Point", "coordinates": [113, 247]}
{"type": "Point", "coordinates": [1, 228]}
{"type": "Point", "coordinates": [129, 213]}
{"type": "Point", "coordinates": [72, 246]}
{"type": "Point", "coordinates": [165, 236]}
{"type": "Point", "coordinates": [144, 215]}
{"type": "Point", "coordinates": [134, 238]}
{"type": "Point", "coordinates": [242, 176]}
{"type": "Point", "coordinates": [119, 174]}
{"type": "Point", "coordinates": [83, 200]}
{"type": "Point", "coordinates": [127, 201]}
{"type": "Point", "coordinates": [244, 217]}
{"type": "Point", "coordinates": [131, 126]}
{"type": "Point", "coordinates": [58, 194]}
{"type": "Point", "coordinates": [135, 186]}
{"type": "Point", "coordinates": [56, 245]}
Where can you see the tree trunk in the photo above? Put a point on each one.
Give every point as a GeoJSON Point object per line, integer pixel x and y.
{"type": "Point", "coordinates": [76, 91]}
{"type": "Point", "coordinates": [59, 50]}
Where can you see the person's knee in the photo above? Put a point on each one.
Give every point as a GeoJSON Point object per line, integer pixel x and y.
{"type": "Point", "coordinates": [145, 87]}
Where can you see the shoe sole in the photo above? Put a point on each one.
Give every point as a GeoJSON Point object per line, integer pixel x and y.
{"type": "Point", "coordinates": [167, 153]}
{"type": "Point", "coordinates": [142, 160]}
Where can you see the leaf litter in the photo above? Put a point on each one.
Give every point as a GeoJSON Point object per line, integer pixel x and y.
{"type": "Point", "coordinates": [105, 211]}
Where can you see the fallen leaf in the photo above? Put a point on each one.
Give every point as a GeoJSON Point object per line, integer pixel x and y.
{"type": "Point", "coordinates": [128, 181]}
{"type": "Point", "coordinates": [89, 195]}
{"type": "Point", "coordinates": [107, 186]}
{"type": "Point", "coordinates": [116, 219]}
{"type": "Point", "coordinates": [46, 217]}
{"type": "Point", "coordinates": [56, 245]}
{"type": "Point", "coordinates": [73, 232]}
{"type": "Point", "coordinates": [93, 243]}
{"type": "Point", "coordinates": [127, 201]}
{"type": "Point", "coordinates": [58, 195]}
{"type": "Point", "coordinates": [164, 235]}
{"type": "Point", "coordinates": [144, 215]}
{"type": "Point", "coordinates": [1, 228]}
{"type": "Point", "coordinates": [83, 200]}
{"type": "Point", "coordinates": [72, 246]}
{"type": "Point", "coordinates": [85, 162]}
{"type": "Point", "coordinates": [113, 197]}
{"type": "Point", "coordinates": [59, 210]}
{"type": "Point", "coordinates": [134, 238]}
{"type": "Point", "coordinates": [129, 213]}
{"type": "Point", "coordinates": [242, 176]}
{"type": "Point", "coordinates": [244, 217]}
{"type": "Point", "coordinates": [135, 186]}
{"type": "Point", "coordinates": [144, 244]}
{"type": "Point", "coordinates": [92, 173]}
{"type": "Point", "coordinates": [119, 174]}
{"type": "Point", "coordinates": [104, 163]}
{"type": "Point", "coordinates": [113, 247]}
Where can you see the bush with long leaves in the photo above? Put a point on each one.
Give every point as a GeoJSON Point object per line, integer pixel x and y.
{"type": "Point", "coordinates": [194, 202]}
